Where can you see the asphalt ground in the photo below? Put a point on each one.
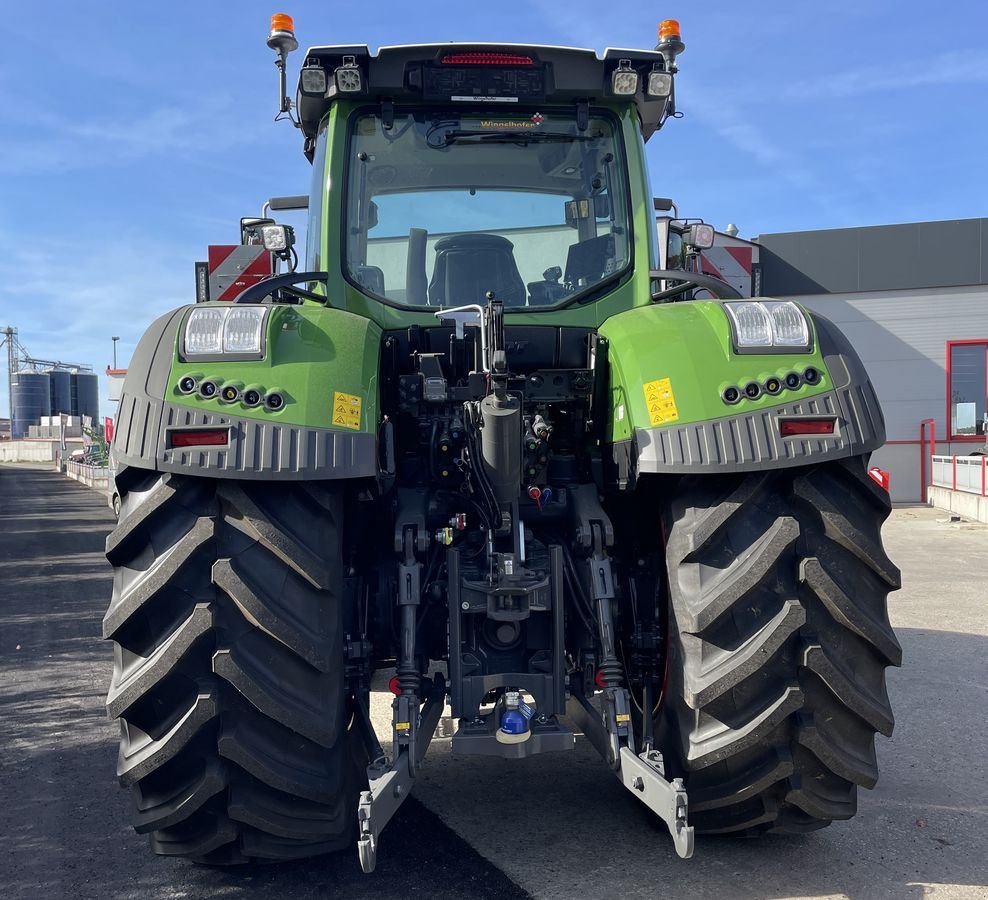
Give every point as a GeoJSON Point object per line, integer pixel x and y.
{"type": "Point", "coordinates": [558, 826]}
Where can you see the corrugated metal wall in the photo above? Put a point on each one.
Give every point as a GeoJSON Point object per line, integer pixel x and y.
{"type": "Point", "coordinates": [902, 338]}
{"type": "Point", "coordinates": [899, 292]}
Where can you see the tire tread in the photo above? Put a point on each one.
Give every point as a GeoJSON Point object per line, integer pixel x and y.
{"type": "Point", "coordinates": [780, 638]}
{"type": "Point", "coordinates": [228, 668]}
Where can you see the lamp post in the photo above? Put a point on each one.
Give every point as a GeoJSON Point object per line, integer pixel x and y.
{"type": "Point", "coordinates": [115, 338]}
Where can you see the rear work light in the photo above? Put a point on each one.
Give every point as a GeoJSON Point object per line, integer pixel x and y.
{"type": "Point", "coordinates": [798, 427]}
{"type": "Point", "coordinates": [624, 80]}
{"type": "Point", "coordinates": [486, 59]}
{"type": "Point", "coordinates": [659, 84]}
{"type": "Point", "coordinates": [348, 78]}
{"type": "Point", "coordinates": [199, 437]}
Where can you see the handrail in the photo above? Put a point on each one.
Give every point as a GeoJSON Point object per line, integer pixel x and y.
{"type": "Point", "coordinates": [261, 289]}
{"type": "Point", "coordinates": [922, 454]}
{"type": "Point", "coordinates": [963, 464]}
{"type": "Point", "coordinates": [690, 280]}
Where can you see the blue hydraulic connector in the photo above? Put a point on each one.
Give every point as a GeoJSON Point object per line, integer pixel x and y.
{"type": "Point", "coordinates": [514, 720]}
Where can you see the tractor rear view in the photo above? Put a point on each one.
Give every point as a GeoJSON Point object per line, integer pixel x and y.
{"type": "Point", "coordinates": [484, 434]}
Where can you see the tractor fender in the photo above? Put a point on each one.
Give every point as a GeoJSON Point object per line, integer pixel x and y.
{"type": "Point", "coordinates": [669, 367]}
{"type": "Point", "coordinates": [323, 363]}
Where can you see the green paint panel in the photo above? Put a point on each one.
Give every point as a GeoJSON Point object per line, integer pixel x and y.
{"type": "Point", "coordinates": [689, 344]}
{"type": "Point", "coordinates": [313, 352]}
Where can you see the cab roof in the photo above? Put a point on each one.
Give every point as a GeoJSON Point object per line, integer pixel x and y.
{"type": "Point", "coordinates": [480, 75]}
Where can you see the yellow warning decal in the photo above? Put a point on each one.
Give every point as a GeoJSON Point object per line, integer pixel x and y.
{"type": "Point", "coordinates": [660, 402]}
{"type": "Point", "coordinates": [402, 726]}
{"type": "Point", "coordinates": [346, 410]}
{"type": "Point", "coordinates": [623, 717]}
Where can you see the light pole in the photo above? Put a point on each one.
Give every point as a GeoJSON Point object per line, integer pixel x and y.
{"type": "Point", "coordinates": [115, 338]}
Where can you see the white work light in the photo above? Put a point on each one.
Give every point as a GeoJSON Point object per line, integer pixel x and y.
{"type": "Point", "coordinates": [313, 80]}
{"type": "Point", "coordinates": [659, 84]}
{"type": "Point", "coordinates": [775, 324]}
{"type": "Point", "coordinates": [242, 331]}
{"type": "Point", "coordinates": [701, 236]}
{"type": "Point", "coordinates": [347, 77]}
{"type": "Point", "coordinates": [752, 324]}
{"type": "Point", "coordinates": [624, 80]}
{"type": "Point", "coordinates": [204, 331]}
{"type": "Point", "coordinates": [219, 331]}
{"type": "Point", "coordinates": [275, 237]}
{"type": "Point", "coordinates": [789, 325]}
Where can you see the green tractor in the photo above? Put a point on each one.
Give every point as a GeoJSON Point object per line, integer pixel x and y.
{"type": "Point", "coordinates": [484, 445]}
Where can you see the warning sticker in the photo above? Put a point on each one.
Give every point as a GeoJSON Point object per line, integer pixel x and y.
{"type": "Point", "coordinates": [346, 410]}
{"type": "Point", "coordinates": [660, 402]}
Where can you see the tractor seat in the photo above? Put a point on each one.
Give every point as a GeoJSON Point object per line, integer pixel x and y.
{"type": "Point", "coordinates": [470, 265]}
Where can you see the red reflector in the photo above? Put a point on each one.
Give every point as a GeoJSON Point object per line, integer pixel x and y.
{"type": "Point", "coordinates": [792, 427]}
{"type": "Point", "coordinates": [200, 438]}
{"type": "Point", "coordinates": [394, 686]}
{"type": "Point", "coordinates": [880, 477]}
{"type": "Point", "coordinates": [486, 59]}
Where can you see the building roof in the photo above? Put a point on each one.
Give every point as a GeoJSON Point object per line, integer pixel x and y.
{"type": "Point", "coordinates": [876, 258]}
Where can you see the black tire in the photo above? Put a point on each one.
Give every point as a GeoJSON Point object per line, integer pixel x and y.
{"type": "Point", "coordinates": [228, 674]}
{"type": "Point", "coordinates": [780, 638]}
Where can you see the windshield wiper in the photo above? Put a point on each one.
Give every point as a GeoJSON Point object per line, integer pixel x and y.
{"type": "Point", "coordinates": [510, 137]}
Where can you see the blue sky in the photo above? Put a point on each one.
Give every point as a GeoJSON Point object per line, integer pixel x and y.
{"type": "Point", "coordinates": [132, 135]}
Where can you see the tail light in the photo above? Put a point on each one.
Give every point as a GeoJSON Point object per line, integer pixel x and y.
{"type": "Point", "coordinates": [797, 427]}
{"type": "Point", "coordinates": [485, 58]}
{"type": "Point", "coordinates": [200, 437]}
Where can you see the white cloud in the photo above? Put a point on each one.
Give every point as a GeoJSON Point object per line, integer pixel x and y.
{"type": "Point", "coordinates": [47, 142]}
{"type": "Point", "coordinates": [960, 67]}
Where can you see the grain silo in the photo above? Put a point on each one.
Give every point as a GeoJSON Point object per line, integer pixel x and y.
{"type": "Point", "coordinates": [61, 392]}
{"type": "Point", "coordinates": [86, 391]}
{"type": "Point", "coordinates": [30, 399]}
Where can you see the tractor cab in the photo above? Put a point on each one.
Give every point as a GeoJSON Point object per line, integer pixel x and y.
{"type": "Point", "coordinates": [462, 171]}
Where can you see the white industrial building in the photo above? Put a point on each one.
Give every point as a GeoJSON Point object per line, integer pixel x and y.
{"type": "Point", "coordinates": [913, 300]}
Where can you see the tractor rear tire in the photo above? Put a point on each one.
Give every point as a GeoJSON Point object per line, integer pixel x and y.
{"type": "Point", "coordinates": [780, 637]}
{"type": "Point", "coordinates": [228, 674]}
